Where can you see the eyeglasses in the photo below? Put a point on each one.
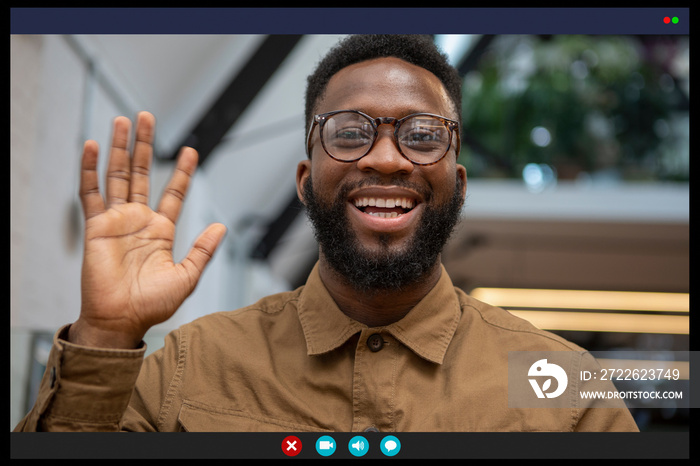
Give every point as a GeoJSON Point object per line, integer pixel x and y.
{"type": "Point", "coordinates": [348, 135]}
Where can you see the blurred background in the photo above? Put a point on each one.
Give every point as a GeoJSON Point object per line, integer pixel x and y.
{"type": "Point", "coordinates": [576, 147]}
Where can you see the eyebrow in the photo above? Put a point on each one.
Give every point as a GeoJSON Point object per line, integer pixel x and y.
{"type": "Point", "coordinates": [398, 115]}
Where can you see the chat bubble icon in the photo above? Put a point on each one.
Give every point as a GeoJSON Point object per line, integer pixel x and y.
{"type": "Point", "coordinates": [390, 445]}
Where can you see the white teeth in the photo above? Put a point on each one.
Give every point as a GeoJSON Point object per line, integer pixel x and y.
{"type": "Point", "coordinates": [384, 214]}
{"type": "Point", "coordinates": [382, 202]}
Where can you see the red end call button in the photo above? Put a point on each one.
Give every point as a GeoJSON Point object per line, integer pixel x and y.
{"type": "Point", "coordinates": [291, 446]}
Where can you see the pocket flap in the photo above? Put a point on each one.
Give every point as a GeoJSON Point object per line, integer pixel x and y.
{"type": "Point", "coordinates": [196, 417]}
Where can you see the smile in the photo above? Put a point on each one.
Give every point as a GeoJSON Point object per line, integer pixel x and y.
{"type": "Point", "coordinates": [384, 207]}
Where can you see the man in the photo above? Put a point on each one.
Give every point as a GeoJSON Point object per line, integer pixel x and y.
{"type": "Point", "coordinates": [377, 339]}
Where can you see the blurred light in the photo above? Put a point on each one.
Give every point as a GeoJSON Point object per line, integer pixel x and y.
{"type": "Point", "coordinates": [605, 322]}
{"type": "Point", "coordinates": [584, 299]}
{"type": "Point", "coordinates": [579, 69]}
{"type": "Point", "coordinates": [538, 177]}
{"type": "Point", "coordinates": [627, 304]}
{"type": "Point", "coordinates": [540, 136]}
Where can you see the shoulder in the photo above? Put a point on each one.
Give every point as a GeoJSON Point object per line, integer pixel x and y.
{"type": "Point", "coordinates": [499, 322]}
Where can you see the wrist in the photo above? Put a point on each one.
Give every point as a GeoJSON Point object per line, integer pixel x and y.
{"type": "Point", "coordinates": [85, 334]}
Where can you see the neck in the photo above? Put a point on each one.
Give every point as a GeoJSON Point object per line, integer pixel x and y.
{"type": "Point", "coordinates": [377, 307]}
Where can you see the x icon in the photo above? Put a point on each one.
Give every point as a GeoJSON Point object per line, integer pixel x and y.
{"type": "Point", "coordinates": [291, 446]}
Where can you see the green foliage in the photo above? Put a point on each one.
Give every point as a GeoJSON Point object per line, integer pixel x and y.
{"type": "Point", "coordinates": [600, 105]}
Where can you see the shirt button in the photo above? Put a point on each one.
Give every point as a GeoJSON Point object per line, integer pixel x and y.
{"type": "Point", "coordinates": [375, 342]}
{"type": "Point", "coordinates": [371, 429]}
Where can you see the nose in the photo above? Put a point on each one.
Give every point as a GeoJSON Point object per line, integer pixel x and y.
{"type": "Point", "coordinates": [384, 157]}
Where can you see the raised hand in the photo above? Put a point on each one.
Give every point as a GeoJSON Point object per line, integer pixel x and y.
{"type": "Point", "coordinates": [129, 279]}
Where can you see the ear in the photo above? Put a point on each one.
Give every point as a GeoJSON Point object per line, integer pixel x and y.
{"type": "Point", "coordinates": [462, 175]}
{"type": "Point", "coordinates": [303, 173]}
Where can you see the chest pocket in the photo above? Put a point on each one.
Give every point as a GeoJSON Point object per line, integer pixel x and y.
{"type": "Point", "coordinates": [196, 417]}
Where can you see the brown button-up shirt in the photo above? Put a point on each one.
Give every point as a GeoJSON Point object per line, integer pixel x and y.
{"type": "Point", "coordinates": [294, 362]}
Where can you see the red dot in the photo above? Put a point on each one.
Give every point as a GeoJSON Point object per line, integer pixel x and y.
{"type": "Point", "coordinates": [667, 20]}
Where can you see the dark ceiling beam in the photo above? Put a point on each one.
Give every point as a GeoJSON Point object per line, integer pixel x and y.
{"type": "Point", "coordinates": [277, 227]}
{"type": "Point", "coordinates": [471, 59]}
{"type": "Point", "coordinates": [239, 93]}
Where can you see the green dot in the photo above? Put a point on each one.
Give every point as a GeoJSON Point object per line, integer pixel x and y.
{"type": "Point", "coordinates": [675, 20]}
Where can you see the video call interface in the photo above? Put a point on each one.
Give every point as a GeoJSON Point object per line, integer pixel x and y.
{"type": "Point", "coordinates": [664, 432]}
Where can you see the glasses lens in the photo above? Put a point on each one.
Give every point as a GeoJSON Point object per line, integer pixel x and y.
{"type": "Point", "coordinates": [347, 136]}
{"type": "Point", "coordinates": [424, 139]}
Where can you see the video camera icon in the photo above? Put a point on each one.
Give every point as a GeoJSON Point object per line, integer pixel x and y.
{"type": "Point", "coordinates": [325, 446]}
{"type": "Point", "coordinates": [358, 445]}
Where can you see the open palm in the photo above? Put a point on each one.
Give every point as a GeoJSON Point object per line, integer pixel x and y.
{"type": "Point", "coordinates": [129, 279]}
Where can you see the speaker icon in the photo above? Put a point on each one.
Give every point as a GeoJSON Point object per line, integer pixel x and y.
{"type": "Point", "coordinates": [358, 445]}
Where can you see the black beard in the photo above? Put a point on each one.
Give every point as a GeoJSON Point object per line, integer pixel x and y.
{"type": "Point", "coordinates": [370, 271]}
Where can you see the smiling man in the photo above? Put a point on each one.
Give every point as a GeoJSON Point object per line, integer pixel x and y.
{"type": "Point", "coordinates": [383, 191]}
{"type": "Point", "coordinates": [377, 340]}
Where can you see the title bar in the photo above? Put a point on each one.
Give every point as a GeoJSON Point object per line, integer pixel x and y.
{"type": "Point", "coordinates": [349, 20]}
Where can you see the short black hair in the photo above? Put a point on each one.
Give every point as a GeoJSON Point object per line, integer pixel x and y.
{"type": "Point", "coordinates": [419, 50]}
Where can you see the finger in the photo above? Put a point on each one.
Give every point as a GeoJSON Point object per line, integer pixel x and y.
{"type": "Point", "coordinates": [202, 251]}
{"type": "Point", "coordinates": [118, 169]}
{"type": "Point", "coordinates": [141, 160]}
{"type": "Point", "coordinates": [90, 196]}
{"type": "Point", "coordinates": [174, 194]}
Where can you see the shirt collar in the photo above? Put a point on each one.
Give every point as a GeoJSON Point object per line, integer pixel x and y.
{"type": "Point", "coordinates": [427, 329]}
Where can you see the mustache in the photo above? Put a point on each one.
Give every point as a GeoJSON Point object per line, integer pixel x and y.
{"type": "Point", "coordinates": [426, 192]}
